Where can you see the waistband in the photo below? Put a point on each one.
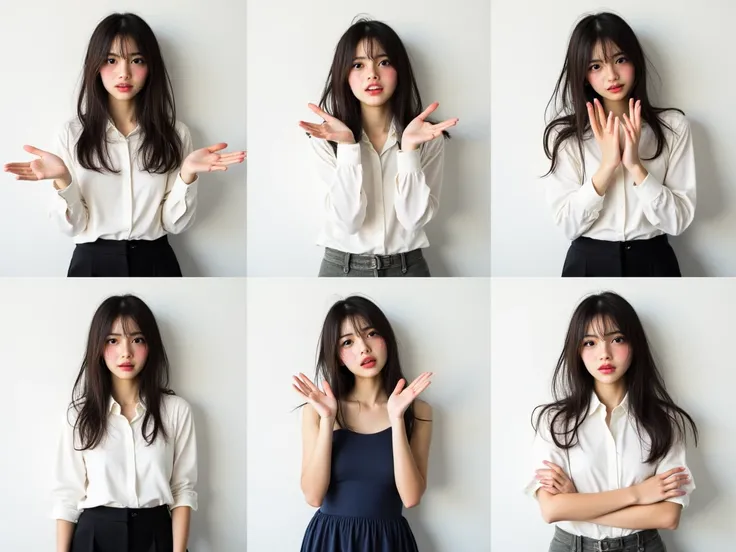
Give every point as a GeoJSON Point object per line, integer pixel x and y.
{"type": "Point", "coordinates": [126, 514]}
{"type": "Point", "coordinates": [352, 261]}
{"type": "Point", "coordinates": [121, 246]}
{"type": "Point", "coordinates": [586, 544]}
{"type": "Point", "coordinates": [657, 242]}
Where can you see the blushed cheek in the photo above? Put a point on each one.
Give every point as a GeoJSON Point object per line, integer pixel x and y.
{"type": "Point", "coordinates": [354, 81]}
{"type": "Point", "coordinates": [140, 74]}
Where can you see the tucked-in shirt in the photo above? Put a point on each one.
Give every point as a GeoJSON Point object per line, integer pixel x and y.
{"type": "Point", "coordinates": [132, 204]}
{"type": "Point", "coordinates": [378, 203]}
{"type": "Point", "coordinates": [605, 459]}
{"type": "Point", "coordinates": [123, 471]}
{"type": "Point", "coordinates": [663, 203]}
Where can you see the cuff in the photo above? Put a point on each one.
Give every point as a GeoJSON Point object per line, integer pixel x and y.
{"type": "Point", "coordinates": [66, 513]}
{"type": "Point", "coordinates": [532, 488]}
{"type": "Point", "coordinates": [409, 161]}
{"type": "Point", "coordinates": [348, 154]}
{"type": "Point", "coordinates": [71, 194]}
{"type": "Point", "coordinates": [649, 189]}
{"type": "Point", "coordinates": [185, 498]}
{"type": "Point", "coordinates": [181, 190]}
{"type": "Point", "coordinates": [588, 197]}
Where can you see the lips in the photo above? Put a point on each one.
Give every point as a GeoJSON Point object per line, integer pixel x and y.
{"type": "Point", "coordinates": [124, 87]}
{"type": "Point", "coordinates": [126, 367]}
{"type": "Point", "coordinates": [374, 90]}
{"type": "Point", "coordinates": [368, 362]}
{"type": "Point", "coordinates": [607, 369]}
{"type": "Point", "coordinates": [616, 88]}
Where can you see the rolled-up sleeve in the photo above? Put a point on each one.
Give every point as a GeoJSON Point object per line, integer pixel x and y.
{"type": "Point", "coordinates": [184, 473]}
{"type": "Point", "coordinates": [675, 458]}
{"type": "Point", "coordinates": [544, 450]}
{"type": "Point", "coordinates": [70, 477]}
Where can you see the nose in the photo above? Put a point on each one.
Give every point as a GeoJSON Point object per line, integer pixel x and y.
{"type": "Point", "coordinates": [611, 73]}
{"type": "Point", "coordinates": [605, 353]}
{"type": "Point", "coordinates": [124, 68]}
{"type": "Point", "coordinates": [364, 347]}
{"type": "Point", "coordinates": [126, 349]}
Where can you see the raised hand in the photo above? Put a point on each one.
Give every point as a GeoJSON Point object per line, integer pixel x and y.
{"type": "Point", "coordinates": [606, 132]}
{"type": "Point", "coordinates": [632, 134]}
{"type": "Point", "coordinates": [47, 167]}
{"type": "Point", "coordinates": [324, 402]}
{"type": "Point", "coordinates": [209, 159]}
{"type": "Point", "coordinates": [554, 480]}
{"type": "Point", "coordinates": [662, 486]}
{"type": "Point", "coordinates": [401, 398]}
{"type": "Point", "coordinates": [419, 130]}
{"type": "Point", "coordinates": [332, 129]}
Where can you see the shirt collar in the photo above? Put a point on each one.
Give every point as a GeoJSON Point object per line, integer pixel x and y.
{"type": "Point", "coordinates": [112, 129]}
{"type": "Point", "coordinates": [595, 404]}
{"type": "Point", "coordinates": [114, 407]}
{"type": "Point", "coordinates": [391, 139]}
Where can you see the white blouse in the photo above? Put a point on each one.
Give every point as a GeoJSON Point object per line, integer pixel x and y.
{"type": "Point", "coordinates": [130, 205]}
{"type": "Point", "coordinates": [378, 203]}
{"type": "Point", "coordinates": [664, 203]}
{"type": "Point", "coordinates": [605, 460]}
{"type": "Point", "coordinates": [123, 471]}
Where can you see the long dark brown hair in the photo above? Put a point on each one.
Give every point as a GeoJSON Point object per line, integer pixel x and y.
{"type": "Point", "coordinates": [93, 386]}
{"type": "Point", "coordinates": [330, 367]}
{"type": "Point", "coordinates": [338, 99]}
{"type": "Point", "coordinates": [655, 412]}
{"type": "Point", "coordinates": [161, 151]}
{"type": "Point", "coordinates": [572, 91]}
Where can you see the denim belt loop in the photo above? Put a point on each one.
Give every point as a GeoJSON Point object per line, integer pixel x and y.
{"type": "Point", "coordinates": [403, 263]}
{"type": "Point", "coordinates": [639, 543]}
{"type": "Point", "coordinates": [578, 543]}
{"type": "Point", "coordinates": [346, 266]}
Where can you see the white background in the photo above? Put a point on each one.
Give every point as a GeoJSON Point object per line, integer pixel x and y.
{"type": "Point", "coordinates": [43, 333]}
{"type": "Point", "coordinates": [442, 326]}
{"type": "Point", "coordinates": [689, 327]}
{"type": "Point", "coordinates": [291, 45]}
{"type": "Point", "coordinates": [685, 42]}
{"type": "Point", "coordinates": [204, 50]}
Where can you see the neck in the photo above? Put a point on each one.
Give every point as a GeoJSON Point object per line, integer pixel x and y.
{"type": "Point", "coordinates": [125, 392]}
{"type": "Point", "coordinates": [367, 391]}
{"type": "Point", "coordinates": [610, 394]}
{"type": "Point", "coordinates": [376, 120]}
{"type": "Point", "coordinates": [619, 107]}
{"type": "Point", "coordinates": [122, 113]}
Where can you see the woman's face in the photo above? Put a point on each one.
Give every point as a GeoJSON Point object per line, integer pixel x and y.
{"type": "Point", "coordinates": [372, 80]}
{"type": "Point", "coordinates": [605, 351]}
{"type": "Point", "coordinates": [126, 350]}
{"type": "Point", "coordinates": [124, 70]}
{"type": "Point", "coordinates": [361, 350]}
{"type": "Point", "coordinates": [612, 75]}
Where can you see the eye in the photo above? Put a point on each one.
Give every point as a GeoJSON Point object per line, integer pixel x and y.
{"type": "Point", "coordinates": [619, 339]}
{"type": "Point", "coordinates": [588, 343]}
{"type": "Point", "coordinates": [347, 343]}
{"type": "Point", "coordinates": [622, 59]}
{"type": "Point", "coordinates": [594, 67]}
{"type": "Point", "coordinates": [385, 63]}
{"type": "Point", "coordinates": [357, 65]}
{"type": "Point", "coordinates": [139, 61]}
{"type": "Point", "coordinates": [373, 333]}
{"type": "Point", "coordinates": [110, 61]}
{"type": "Point", "coordinates": [111, 341]}
{"type": "Point", "coordinates": [139, 340]}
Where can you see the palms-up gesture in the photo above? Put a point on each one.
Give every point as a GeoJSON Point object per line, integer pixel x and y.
{"type": "Point", "coordinates": [209, 159]}
{"type": "Point", "coordinates": [324, 402]}
{"type": "Point", "coordinates": [332, 129]}
{"type": "Point", "coordinates": [47, 167]}
{"type": "Point", "coordinates": [419, 130]}
{"type": "Point", "coordinates": [401, 398]}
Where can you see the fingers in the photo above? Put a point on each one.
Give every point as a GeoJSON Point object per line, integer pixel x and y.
{"type": "Point", "coordinates": [216, 147]}
{"type": "Point", "coordinates": [592, 117]}
{"type": "Point", "coordinates": [399, 386]}
{"type": "Point", "coordinates": [424, 114]}
{"type": "Point", "coordinates": [554, 467]}
{"type": "Point", "coordinates": [444, 125]}
{"type": "Point", "coordinates": [34, 150]}
{"type": "Point", "coordinates": [610, 122]}
{"type": "Point", "coordinates": [629, 130]}
{"type": "Point", "coordinates": [600, 113]}
{"type": "Point", "coordinates": [637, 115]}
{"type": "Point", "coordinates": [671, 472]}
{"type": "Point", "coordinates": [328, 389]}
{"type": "Point", "coordinates": [616, 131]}
{"type": "Point", "coordinates": [319, 111]}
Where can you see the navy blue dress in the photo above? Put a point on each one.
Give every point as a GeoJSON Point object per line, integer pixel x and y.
{"type": "Point", "coordinates": [361, 511]}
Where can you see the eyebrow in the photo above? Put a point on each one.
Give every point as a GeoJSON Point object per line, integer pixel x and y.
{"type": "Point", "coordinates": [362, 58]}
{"type": "Point", "coordinates": [605, 335]}
{"type": "Point", "coordinates": [613, 56]}
{"type": "Point", "coordinates": [111, 54]}
{"type": "Point", "coordinates": [134, 334]}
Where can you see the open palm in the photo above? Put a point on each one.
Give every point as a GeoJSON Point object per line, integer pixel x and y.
{"type": "Point", "coordinates": [324, 402]}
{"type": "Point", "coordinates": [401, 398]}
{"type": "Point", "coordinates": [210, 159]}
{"type": "Point", "coordinates": [47, 167]}
{"type": "Point", "coordinates": [332, 129]}
{"type": "Point", "coordinates": [419, 130]}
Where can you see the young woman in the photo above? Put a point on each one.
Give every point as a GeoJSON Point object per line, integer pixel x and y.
{"type": "Point", "coordinates": [611, 447]}
{"type": "Point", "coordinates": [379, 157]}
{"type": "Point", "coordinates": [623, 174]}
{"type": "Point", "coordinates": [365, 437]}
{"type": "Point", "coordinates": [127, 460]}
{"type": "Point", "coordinates": [123, 170]}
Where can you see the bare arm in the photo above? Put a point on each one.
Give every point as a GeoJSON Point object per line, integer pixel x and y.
{"type": "Point", "coordinates": [663, 515]}
{"type": "Point", "coordinates": [64, 533]}
{"type": "Point", "coordinates": [411, 460]}
{"type": "Point", "coordinates": [583, 506]}
{"type": "Point", "coordinates": [180, 527]}
{"type": "Point", "coordinates": [316, 455]}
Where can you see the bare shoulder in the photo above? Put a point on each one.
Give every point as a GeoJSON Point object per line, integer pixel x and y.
{"type": "Point", "coordinates": [422, 410]}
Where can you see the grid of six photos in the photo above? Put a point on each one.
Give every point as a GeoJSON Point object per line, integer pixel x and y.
{"type": "Point", "coordinates": [224, 223]}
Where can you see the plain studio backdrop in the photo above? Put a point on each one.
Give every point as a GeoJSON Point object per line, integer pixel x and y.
{"type": "Point", "coordinates": [689, 331]}
{"type": "Point", "coordinates": [442, 326]}
{"type": "Point", "coordinates": [291, 46]}
{"type": "Point", "coordinates": [684, 41]}
{"type": "Point", "coordinates": [43, 334]}
{"type": "Point", "coordinates": [204, 51]}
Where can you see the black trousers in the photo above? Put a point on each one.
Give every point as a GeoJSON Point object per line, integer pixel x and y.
{"type": "Point", "coordinates": [105, 529]}
{"type": "Point", "coordinates": [638, 258]}
{"type": "Point", "coordinates": [124, 258]}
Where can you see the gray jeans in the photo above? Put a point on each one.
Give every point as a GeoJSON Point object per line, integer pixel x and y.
{"type": "Point", "coordinates": [642, 541]}
{"type": "Point", "coordinates": [338, 264]}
